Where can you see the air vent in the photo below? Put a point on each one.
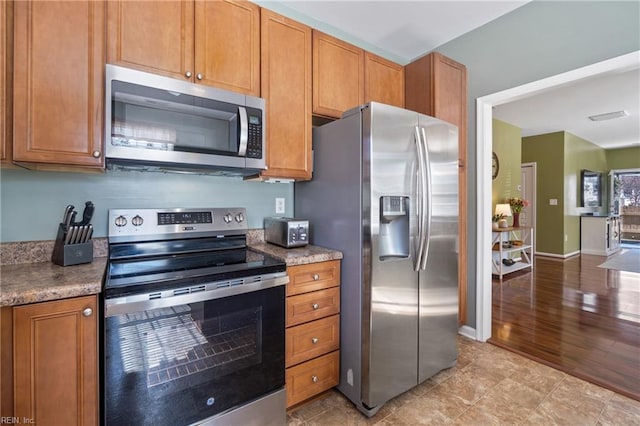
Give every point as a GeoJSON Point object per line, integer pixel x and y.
{"type": "Point", "coordinates": [608, 116]}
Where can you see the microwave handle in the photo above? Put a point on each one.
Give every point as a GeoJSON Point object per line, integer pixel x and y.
{"type": "Point", "coordinates": [244, 131]}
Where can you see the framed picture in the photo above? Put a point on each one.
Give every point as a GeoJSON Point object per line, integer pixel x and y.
{"type": "Point", "coordinates": [590, 189]}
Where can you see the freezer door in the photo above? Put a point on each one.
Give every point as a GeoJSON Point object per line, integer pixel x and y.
{"type": "Point", "coordinates": [438, 290]}
{"type": "Point", "coordinates": [390, 284]}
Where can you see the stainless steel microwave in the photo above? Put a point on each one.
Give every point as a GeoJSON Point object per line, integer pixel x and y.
{"type": "Point", "coordinates": [164, 124]}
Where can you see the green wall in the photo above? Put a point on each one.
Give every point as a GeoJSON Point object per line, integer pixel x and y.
{"type": "Point", "coordinates": [624, 158]}
{"type": "Point", "coordinates": [547, 151]}
{"type": "Point", "coordinates": [507, 146]}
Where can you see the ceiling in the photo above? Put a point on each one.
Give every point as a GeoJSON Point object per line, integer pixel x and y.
{"type": "Point", "coordinates": [405, 30]}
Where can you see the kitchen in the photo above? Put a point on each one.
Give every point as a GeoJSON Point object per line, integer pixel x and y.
{"type": "Point", "coordinates": [26, 194]}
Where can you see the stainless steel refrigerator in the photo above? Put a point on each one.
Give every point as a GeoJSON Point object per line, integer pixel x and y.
{"type": "Point", "coordinates": [385, 193]}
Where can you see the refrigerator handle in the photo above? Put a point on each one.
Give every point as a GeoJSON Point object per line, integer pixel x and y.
{"type": "Point", "coordinates": [421, 187]}
{"type": "Point", "coordinates": [427, 197]}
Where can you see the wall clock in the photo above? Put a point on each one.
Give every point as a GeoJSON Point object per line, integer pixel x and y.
{"type": "Point", "coordinates": [495, 166]}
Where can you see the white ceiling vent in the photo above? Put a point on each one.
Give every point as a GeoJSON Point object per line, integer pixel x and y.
{"type": "Point", "coordinates": [608, 116]}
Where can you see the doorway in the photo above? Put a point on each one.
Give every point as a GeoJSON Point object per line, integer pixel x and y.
{"type": "Point", "coordinates": [528, 192]}
{"type": "Point", "coordinates": [625, 201]}
{"type": "Point", "coordinates": [483, 165]}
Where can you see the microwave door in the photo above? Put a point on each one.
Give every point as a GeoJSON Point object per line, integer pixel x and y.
{"type": "Point", "coordinates": [244, 131]}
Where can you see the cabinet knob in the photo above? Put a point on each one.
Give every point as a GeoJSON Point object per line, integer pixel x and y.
{"type": "Point", "coordinates": [316, 277]}
{"type": "Point", "coordinates": [87, 312]}
{"type": "Point", "coordinates": [96, 154]}
{"type": "Point", "coordinates": [314, 379]}
{"type": "Point", "coordinates": [314, 340]}
{"type": "Point", "coordinates": [187, 74]}
{"type": "Point", "coordinates": [199, 76]}
{"type": "Point", "coordinates": [315, 306]}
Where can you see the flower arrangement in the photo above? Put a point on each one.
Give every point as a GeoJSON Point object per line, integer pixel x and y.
{"type": "Point", "coordinates": [497, 217]}
{"type": "Point", "coordinates": [517, 204]}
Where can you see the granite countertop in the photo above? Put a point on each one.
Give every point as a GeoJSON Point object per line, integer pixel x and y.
{"type": "Point", "coordinates": [299, 255]}
{"type": "Point", "coordinates": [38, 282]}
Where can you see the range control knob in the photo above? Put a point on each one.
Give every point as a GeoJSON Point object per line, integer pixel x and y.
{"type": "Point", "coordinates": [137, 221]}
{"type": "Point", "coordinates": [239, 217]}
{"type": "Point", "coordinates": [228, 218]}
{"type": "Point", "coordinates": [121, 221]}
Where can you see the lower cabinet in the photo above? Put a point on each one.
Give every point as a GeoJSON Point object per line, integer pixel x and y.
{"type": "Point", "coordinates": [55, 361]}
{"type": "Point", "coordinates": [599, 235]}
{"type": "Point", "coordinates": [313, 330]}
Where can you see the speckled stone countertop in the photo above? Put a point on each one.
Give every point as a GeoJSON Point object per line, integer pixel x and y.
{"type": "Point", "coordinates": [299, 255]}
{"type": "Point", "coordinates": [38, 282]}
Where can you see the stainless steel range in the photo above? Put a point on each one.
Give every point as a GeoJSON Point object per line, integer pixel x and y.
{"type": "Point", "coordinates": [193, 329]}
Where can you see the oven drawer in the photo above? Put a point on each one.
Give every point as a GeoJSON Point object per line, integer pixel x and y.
{"type": "Point", "coordinates": [310, 340]}
{"type": "Point", "coordinates": [312, 277]}
{"type": "Point", "coordinates": [311, 306]}
{"type": "Point", "coordinates": [312, 377]}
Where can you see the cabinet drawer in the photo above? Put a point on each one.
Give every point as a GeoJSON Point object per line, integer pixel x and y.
{"type": "Point", "coordinates": [311, 306]}
{"type": "Point", "coordinates": [312, 277]}
{"type": "Point", "coordinates": [312, 377]}
{"type": "Point", "coordinates": [312, 339]}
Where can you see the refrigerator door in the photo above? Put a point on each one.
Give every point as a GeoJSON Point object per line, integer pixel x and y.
{"type": "Point", "coordinates": [390, 284]}
{"type": "Point", "coordinates": [438, 282]}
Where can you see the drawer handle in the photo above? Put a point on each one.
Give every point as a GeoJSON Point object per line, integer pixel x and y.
{"type": "Point", "coordinates": [314, 340]}
{"type": "Point", "coordinates": [315, 306]}
{"type": "Point", "coordinates": [314, 379]}
{"type": "Point", "coordinates": [316, 277]}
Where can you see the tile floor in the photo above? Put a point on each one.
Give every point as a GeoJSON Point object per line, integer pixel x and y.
{"type": "Point", "coordinates": [488, 386]}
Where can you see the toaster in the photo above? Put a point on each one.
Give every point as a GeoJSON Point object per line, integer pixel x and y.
{"type": "Point", "coordinates": [286, 231]}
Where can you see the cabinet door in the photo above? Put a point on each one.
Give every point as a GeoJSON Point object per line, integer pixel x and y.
{"type": "Point", "coordinates": [58, 82]}
{"type": "Point", "coordinates": [56, 362]}
{"type": "Point", "coordinates": [227, 45]}
{"type": "Point", "coordinates": [338, 75]}
{"type": "Point", "coordinates": [384, 81]}
{"type": "Point", "coordinates": [286, 87]}
{"type": "Point", "coordinates": [5, 82]}
{"type": "Point", "coordinates": [156, 37]}
{"type": "Point", "coordinates": [437, 86]}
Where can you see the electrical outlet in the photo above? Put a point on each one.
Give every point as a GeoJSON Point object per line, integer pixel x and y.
{"type": "Point", "coordinates": [279, 205]}
{"type": "Point", "coordinates": [553, 201]}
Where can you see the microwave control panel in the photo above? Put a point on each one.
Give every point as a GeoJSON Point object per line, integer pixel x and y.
{"type": "Point", "coordinates": [254, 141]}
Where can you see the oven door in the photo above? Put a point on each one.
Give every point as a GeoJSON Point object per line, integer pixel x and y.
{"type": "Point", "coordinates": [176, 364]}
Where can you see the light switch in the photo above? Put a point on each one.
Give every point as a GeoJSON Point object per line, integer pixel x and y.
{"type": "Point", "coordinates": [553, 201]}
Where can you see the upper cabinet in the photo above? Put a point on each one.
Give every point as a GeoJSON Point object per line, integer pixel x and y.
{"type": "Point", "coordinates": [5, 82]}
{"type": "Point", "coordinates": [58, 83]}
{"type": "Point", "coordinates": [286, 88]}
{"type": "Point", "coordinates": [384, 81]}
{"type": "Point", "coordinates": [338, 75]}
{"type": "Point", "coordinates": [212, 42]}
{"type": "Point", "coordinates": [437, 86]}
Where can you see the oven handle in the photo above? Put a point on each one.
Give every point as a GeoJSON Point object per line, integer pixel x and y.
{"type": "Point", "coordinates": [185, 295]}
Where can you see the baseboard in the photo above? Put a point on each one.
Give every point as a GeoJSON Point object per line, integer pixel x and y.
{"type": "Point", "coordinates": [558, 256]}
{"type": "Point", "coordinates": [467, 331]}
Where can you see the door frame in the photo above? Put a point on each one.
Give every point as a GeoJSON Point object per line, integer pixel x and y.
{"type": "Point", "coordinates": [533, 201]}
{"type": "Point", "coordinates": [484, 138]}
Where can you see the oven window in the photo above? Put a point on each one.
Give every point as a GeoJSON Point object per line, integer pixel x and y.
{"type": "Point", "coordinates": [181, 364]}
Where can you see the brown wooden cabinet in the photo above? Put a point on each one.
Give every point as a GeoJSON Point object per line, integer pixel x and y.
{"type": "Point", "coordinates": [338, 75]}
{"type": "Point", "coordinates": [216, 43]}
{"type": "Point", "coordinates": [55, 361]}
{"type": "Point", "coordinates": [286, 88]}
{"type": "Point", "coordinates": [384, 81]}
{"type": "Point", "coordinates": [58, 83]}
{"type": "Point", "coordinates": [6, 20]}
{"type": "Point", "coordinates": [437, 86]}
{"type": "Point", "coordinates": [312, 354]}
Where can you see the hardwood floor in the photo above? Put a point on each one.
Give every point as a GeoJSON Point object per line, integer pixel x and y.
{"type": "Point", "coordinates": [574, 316]}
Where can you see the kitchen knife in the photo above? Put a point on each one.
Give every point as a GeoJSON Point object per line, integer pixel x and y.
{"type": "Point", "coordinates": [87, 213]}
{"type": "Point", "coordinates": [90, 233]}
{"type": "Point", "coordinates": [83, 234]}
{"type": "Point", "coordinates": [66, 220]}
{"type": "Point", "coordinates": [67, 236]}
{"type": "Point", "coordinates": [72, 234]}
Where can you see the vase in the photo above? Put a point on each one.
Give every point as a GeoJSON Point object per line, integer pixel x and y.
{"type": "Point", "coordinates": [516, 220]}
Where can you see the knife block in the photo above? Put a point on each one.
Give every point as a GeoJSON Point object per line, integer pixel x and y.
{"type": "Point", "coordinates": [71, 254]}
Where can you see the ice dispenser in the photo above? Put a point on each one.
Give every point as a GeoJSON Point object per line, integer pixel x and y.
{"type": "Point", "coordinates": [394, 227]}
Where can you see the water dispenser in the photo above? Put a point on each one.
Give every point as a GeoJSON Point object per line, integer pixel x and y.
{"type": "Point", "coordinates": [394, 227]}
